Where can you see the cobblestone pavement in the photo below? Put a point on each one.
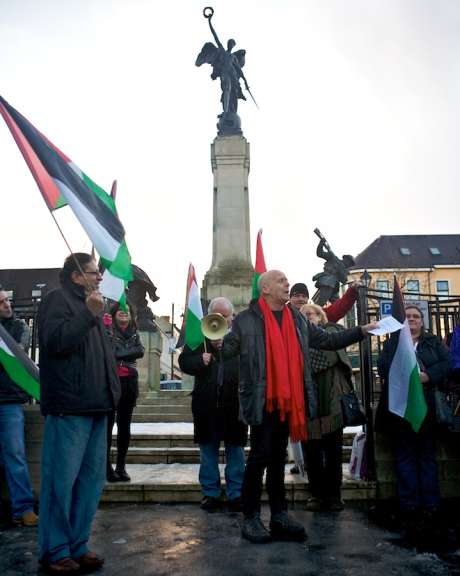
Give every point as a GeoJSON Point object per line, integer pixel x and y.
{"type": "Point", "coordinates": [179, 540]}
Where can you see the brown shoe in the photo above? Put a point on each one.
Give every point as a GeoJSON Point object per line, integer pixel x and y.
{"type": "Point", "coordinates": [27, 519]}
{"type": "Point", "coordinates": [62, 566]}
{"type": "Point", "coordinates": [89, 562]}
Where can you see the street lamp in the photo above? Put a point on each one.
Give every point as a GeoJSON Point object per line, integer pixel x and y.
{"type": "Point", "coordinates": [366, 279]}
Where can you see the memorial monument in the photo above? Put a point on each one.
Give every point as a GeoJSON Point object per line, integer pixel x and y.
{"type": "Point", "coordinates": [231, 269]}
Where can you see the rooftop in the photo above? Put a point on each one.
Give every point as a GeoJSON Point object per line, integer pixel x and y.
{"type": "Point", "coordinates": [410, 251]}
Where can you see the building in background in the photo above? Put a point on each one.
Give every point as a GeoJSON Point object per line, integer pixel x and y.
{"type": "Point", "coordinates": [423, 264]}
{"type": "Point", "coordinates": [24, 284]}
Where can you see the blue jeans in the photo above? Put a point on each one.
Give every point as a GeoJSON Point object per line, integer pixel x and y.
{"type": "Point", "coordinates": [13, 455]}
{"type": "Point", "coordinates": [209, 469]}
{"type": "Point", "coordinates": [417, 469]}
{"type": "Point", "coordinates": [72, 480]}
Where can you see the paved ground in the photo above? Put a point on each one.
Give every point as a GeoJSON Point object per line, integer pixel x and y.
{"type": "Point", "coordinates": [161, 540]}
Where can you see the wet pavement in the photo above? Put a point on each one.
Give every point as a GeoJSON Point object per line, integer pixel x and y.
{"type": "Point", "coordinates": [180, 540]}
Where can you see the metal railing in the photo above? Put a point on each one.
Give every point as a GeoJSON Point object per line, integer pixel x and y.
{"type": "Point", "coordinates": [443, 315]}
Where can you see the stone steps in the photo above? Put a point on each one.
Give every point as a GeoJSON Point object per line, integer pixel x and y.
{"type": "Point", "coordinates": [179, 483]}
{"type": "Point", "coordinates": [163, 408]}
{"type": "Point", "coordinates": [151, 444]}
{"type": "Point", "coordinates": [181, 455]}
{"type": "Point", "coordinates": [157, 416]}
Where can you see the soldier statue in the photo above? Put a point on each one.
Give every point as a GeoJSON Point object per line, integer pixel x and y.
{"type": "Point", "coordinates": [138, 288]}
{"type": "Point", "coordinates": [335, 272]}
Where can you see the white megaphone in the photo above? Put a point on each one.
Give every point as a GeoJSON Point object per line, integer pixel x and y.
{"type": "Point", "coordinates": [214, 326]}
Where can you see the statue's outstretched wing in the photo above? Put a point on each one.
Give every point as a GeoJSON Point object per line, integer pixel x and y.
{"type": "Point", "coordinates": [240, 55]}
{"type": "Point", "coordinates": [208, 55]}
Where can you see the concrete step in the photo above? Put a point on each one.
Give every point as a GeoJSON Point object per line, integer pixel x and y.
{"type": "Point", "coordinates": [161, 399]}
{"type": "Point", "coordinates": [179, 483]}
{"type": "Point", "coordinates": [156, 415]}
{"type": "Point", "coordinates": [181, 454]}
{"type": "Point", "coordinates": [163, 408]}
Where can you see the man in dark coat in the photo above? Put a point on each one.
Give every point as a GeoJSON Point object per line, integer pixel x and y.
{"type": "Point", "coordinates": [12, 444]}
{"type": "Point", "coordinates": [79, 387]}
{"type": "Point", "coordinates": [273, 342]}
{"type": "Point", "coordinates": [216, 415]}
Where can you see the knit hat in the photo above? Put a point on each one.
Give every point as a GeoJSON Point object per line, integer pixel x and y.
{"type": "Point", "coordinates": [299, 288]}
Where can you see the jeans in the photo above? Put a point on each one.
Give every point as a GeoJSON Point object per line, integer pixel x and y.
{"type": "Point", "coordinates": [323, 459]}
{"type": "Point", "coordinates": [72, 480]}
{"type": "Point", "coordinates": [209, 475]}
{"type": "Point", "coordinates": [268, 444]}
{"type": "Point", "coordinates": [13, 456]}
{"type": "Point", "coordinates": [417, 469]}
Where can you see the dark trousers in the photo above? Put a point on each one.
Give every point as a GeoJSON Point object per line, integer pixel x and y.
{"type": "Point", "coordinates": [324, 465]}
{"type": "Point", "coordinates": [123, 416]}
{"type": "Point", "coordinates": [416, 468]}
{"type": "Point", "coordinates": [268, 444]}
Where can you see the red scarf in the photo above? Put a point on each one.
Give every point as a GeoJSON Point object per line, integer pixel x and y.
{"type": "Point", "coordinates": [284, 360]}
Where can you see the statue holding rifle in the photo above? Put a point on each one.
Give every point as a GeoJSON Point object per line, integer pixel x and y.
{"type": "Point", "coordinates": [335, 272]}
{"type": "Point", "coordinates": [227, 66]}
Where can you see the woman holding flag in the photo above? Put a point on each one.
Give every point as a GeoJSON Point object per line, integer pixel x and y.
{"type": "Point", "coordinates": [415, 447]}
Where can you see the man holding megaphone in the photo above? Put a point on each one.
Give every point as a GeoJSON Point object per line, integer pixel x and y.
{"type": "Point", "coordinates": [215, 409]}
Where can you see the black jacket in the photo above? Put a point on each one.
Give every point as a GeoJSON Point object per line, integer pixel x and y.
{"type": "Point", "coordinates": [127, 346]}
{"type": "Point", "coordinates": [214, 397]}
{"type": "Point", "coordinates": [10, 393]}
{"type": "Point", "coordinates": [78, 374]}
{"type": "Point", "coordinates": [247, 339]}
{"type": "Point", "coordinates": [433, 358]}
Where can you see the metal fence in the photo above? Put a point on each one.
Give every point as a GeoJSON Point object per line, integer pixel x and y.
{"type": "Point", "coordinates": [441, 315]}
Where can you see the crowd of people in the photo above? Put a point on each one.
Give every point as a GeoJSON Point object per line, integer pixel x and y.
{"type": "Point", "coordinates": [280, 371]}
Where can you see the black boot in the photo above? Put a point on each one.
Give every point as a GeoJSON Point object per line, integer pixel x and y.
{"type": "Point", "coordinates": [112, 476]}
{"type": "Point", "coordinates": [253, 530]}
{"type": "Point", "coordinates": [123, 476]}
{"type": "Point", "coordinates": [283, 527]}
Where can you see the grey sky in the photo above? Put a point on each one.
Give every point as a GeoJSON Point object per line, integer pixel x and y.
{"type": "Point", "coordinates": [357, 132]}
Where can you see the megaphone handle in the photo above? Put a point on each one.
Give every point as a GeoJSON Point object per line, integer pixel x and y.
{"type": "Point", "coordinates": [205, 349]}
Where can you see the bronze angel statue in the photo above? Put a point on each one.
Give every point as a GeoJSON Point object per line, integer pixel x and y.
{"type": "Point", "coordinates": [227, 66]}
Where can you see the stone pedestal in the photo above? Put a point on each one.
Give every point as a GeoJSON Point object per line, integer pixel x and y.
{"type": "Point", "coordinates": [149, 366]}
{"type": "Point", "coordinates": [231, 269]}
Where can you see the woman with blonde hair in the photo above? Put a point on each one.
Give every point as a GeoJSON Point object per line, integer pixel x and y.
{"type": "Point", "coordinates": [332, 373]}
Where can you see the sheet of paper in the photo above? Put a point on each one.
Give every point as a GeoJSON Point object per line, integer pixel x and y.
{"type": "Point", "coordinates": [386, 325]}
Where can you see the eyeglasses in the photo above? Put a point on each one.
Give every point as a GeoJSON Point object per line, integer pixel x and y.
{"type": "Point", "coordinates": [91, 272]}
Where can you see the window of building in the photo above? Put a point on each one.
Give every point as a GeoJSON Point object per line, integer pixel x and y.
{"type": "Point", "coordinates": [383, 285]}
{"type": "Point", "coordinates": [405, 251]}
{"type": "Point", "coordinates": [442, 288]}
{"type": "Point", "coordinates": [412, 286]}
{"type": "Point", "coordinates": [435, 251]}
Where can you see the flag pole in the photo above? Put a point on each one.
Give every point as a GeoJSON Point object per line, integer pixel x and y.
{"type": "Point", "coordinates": [71, 253]}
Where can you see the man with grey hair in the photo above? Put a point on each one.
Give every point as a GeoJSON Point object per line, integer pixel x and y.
{"type": "Point", "coordinates": [273, 343]}
{"type": "Point", "coordinates": [215, 411]}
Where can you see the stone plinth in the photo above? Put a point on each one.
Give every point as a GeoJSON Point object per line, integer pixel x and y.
{"type": "Point", "coordinates": [231, 269]}
{"type": "Point", "coordinates": [447, 456]}
{"type": "Point", "coordinates": [149, 366]}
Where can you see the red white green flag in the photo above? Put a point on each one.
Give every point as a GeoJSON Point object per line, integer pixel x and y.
{"type": "Point", "coordinates": [405, 391]}
{"type": "Point", "coordinates": [259, 267]}
{"type": "Point", "coordinates": [62, 183]}
{"type": "Point", "coordinates": [191, 334]}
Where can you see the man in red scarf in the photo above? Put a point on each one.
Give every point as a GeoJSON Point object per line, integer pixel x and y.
{"type": "Point", "coordinates": [272, 341]}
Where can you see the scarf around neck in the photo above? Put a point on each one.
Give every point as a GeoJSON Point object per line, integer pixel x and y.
{"type": "Point", "coordinates": [284, 362]}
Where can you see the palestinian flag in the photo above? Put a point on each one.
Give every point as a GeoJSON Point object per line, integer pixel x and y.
{"type": "Point", "coordinates": [18, 365]}
{"type": "Point", "coordinates": [62, 183]}
{"type": "Point", "coordinates": [260, 266]}
{"type": "Point", "coordinates": [191, 333]}
{"type": "Point", "coordinates": [406, 398]}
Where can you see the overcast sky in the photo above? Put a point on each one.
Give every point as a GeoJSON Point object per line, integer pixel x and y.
{"type": "Point", "coordinates": [357, 132]}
